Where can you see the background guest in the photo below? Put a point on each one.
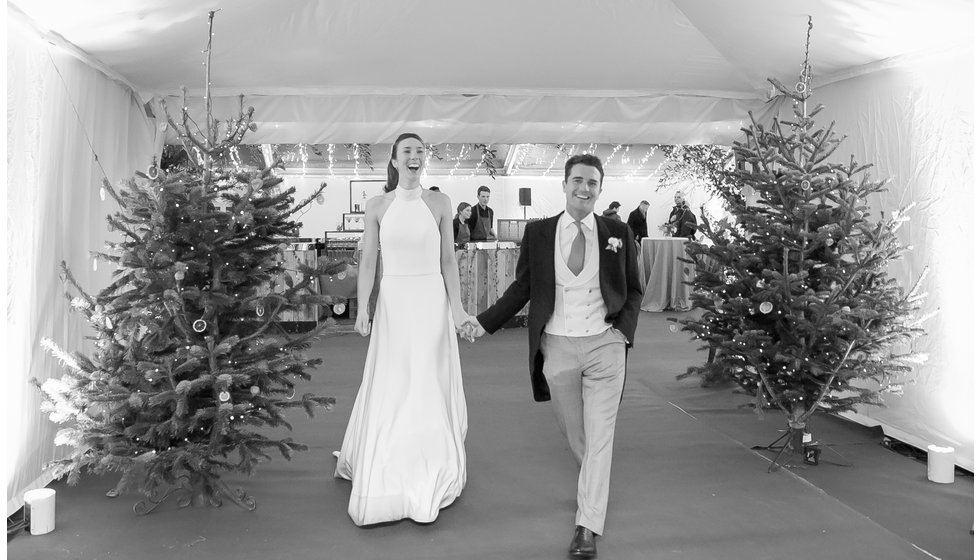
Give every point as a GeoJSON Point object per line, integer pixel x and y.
{"type": "Point", "coordinates": [613, 211]}
{"type": "Point", "coordinates": [481, 220]}
{"type": "Point", "coordinates": [461, 229]}
{"type": "Point", "coordinates": [637, 221]}
{"type": "Point", "coordinates": [682, 219]}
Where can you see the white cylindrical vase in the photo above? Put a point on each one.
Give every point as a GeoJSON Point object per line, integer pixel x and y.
{"type": "Point", "coordinates": [941, 464]}
{"type": "Point", "coordinates": [40, 508]}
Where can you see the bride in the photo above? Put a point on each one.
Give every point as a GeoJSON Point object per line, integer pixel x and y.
{"type": "Point", "coordinates": [403, 448]}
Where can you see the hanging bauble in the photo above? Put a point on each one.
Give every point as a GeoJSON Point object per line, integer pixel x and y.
{"type": "Point", "coordinates": [829, 241]}
{"type": "Point", "coordinates": [108, 323]}
{"type": "Point", "coordinates": [765, 307]}
{"type": "Point", "coordinates": [801, 87]}
{"type": "Point", "coordinates": [673, 327]}
{"type": "Point", "coordinates": [339, 308]}
{"type": "Point", "coordinates": [224, 396]}
{"type": "Point", "coordinates": [102, 193]}
{"type": "Point", "coordinates": [342, 275]}
{"type": "Point", "coordinates": [805, 184]}
{"type": "Point", "coordinates": [200, 325]}
{"type": "Point", "coordinates": [162, 127]}
{"type": "Point", "coordinates": [760, 284]}
{"type": "Point", "coordinates": [152, 172]}
{"type": "Point", "coordinates": [260, 310]}
{"type": "Point", "coordinates": [95, 264]}
{"type": "Point", "coordinates": [253, 127]}
{"type": "Point", "coordinates": [256, 183]}
{"type": "Point", "coordinates": [319, 199]}
{"type": "Point", "coordinates": [255, 389]}
{"type": "Point", "coordinates": [845, 309]}
{"type": "Point", "coordinates": [179, 275]}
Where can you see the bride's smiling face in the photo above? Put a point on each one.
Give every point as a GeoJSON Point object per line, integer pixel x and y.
{"type": "Point", "coordinates": [410, 159]}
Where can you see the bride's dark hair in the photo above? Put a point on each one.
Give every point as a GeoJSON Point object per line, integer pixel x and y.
{"type": "Point", "coordinates": [392, 181]}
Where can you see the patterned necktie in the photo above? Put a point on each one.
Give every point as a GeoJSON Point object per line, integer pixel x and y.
{"type": "Point", "coordinates": [576, 257]}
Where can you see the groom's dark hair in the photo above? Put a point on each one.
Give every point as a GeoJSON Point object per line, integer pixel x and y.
{"type": "Point", "coordinates": [584, 159]}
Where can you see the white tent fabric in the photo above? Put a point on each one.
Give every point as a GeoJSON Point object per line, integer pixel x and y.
{"type": "Point", "coordinates": [915, 123]}
{"type": "Point", "coordinates": [624, 71]}
{"type": "Point", "coordinates": [55, 214]}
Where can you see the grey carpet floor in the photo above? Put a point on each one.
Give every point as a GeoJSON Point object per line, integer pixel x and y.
{"type": "Point", "coordinates": [685, 483]}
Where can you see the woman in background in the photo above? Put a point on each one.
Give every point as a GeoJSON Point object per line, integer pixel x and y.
{"type": "Point", "coordinates": [461, 229]}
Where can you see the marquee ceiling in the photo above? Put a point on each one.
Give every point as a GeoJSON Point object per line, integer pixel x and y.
{"type": "Point", "coordinates": [511, 71]}
{"type": "Point", "coordinates": [621, 161]}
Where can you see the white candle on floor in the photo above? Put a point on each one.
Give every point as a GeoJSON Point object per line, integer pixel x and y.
{"type": "Point", "coordinates": [40, 504]}
{"type": "Point", "coordinates": [941, 464]}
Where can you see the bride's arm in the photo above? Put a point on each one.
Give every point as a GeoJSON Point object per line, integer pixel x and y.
{"type": "Point", "coordinates": [367, 266]}
{"type": "Point", "coordinates": [447, 257]}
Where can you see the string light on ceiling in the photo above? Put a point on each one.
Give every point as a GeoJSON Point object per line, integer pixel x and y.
{"type": "Point", "coordinates": [612, 154]}
{"type": "Point", "coordinates": [643, 161]}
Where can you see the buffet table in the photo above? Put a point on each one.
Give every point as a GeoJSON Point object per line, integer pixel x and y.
{"type": "Point", "coordinates": [664, 275]}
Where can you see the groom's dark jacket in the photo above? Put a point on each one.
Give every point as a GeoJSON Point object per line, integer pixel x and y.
{"type": "Point", "coordinates": [619, 281]}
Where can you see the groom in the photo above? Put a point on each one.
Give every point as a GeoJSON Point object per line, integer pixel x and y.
{"type": "Point", "coordinates": [579, 271]}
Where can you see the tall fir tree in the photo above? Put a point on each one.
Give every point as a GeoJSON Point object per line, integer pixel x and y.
{"type": "Point", "coordinates": [190, 365]}
{"type": "Point", "coordinates": [799, 308]}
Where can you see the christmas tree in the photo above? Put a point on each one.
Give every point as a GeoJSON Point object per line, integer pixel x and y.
{"type": "Point", "coordinates": [799, 308]}
{"type": "Point", "coordinates": [189, 360]}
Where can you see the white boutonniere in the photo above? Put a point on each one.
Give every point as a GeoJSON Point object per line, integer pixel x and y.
{"type": "Point", "coordinates": [614, 244]}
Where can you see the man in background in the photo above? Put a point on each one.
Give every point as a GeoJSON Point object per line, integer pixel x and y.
{"type": "Point", "coordinates": [682, 219]}
{"type": "Point", "coordinates": [481, 220]}
{"type": "Point", "coordinates": [637, 221]}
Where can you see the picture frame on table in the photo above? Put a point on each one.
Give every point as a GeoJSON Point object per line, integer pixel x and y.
{"type": "Point", "coordinates": [363, 189]}
{"type": "Point", "coordinates": [353, 221]}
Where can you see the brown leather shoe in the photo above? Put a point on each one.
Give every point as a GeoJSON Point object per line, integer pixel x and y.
{"type": "Point", "coordinates": [583, 544]}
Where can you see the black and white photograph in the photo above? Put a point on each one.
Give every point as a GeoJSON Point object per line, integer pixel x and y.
{"type": "Point", "coordinates": [445, 280]}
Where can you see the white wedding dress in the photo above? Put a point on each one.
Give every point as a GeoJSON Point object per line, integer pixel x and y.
{"type": "Point", "coordinates": [403, 449]}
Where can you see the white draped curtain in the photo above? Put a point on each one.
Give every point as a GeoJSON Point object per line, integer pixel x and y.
{"type": "Point", "coordinates": [68, 126]}
{"type": "Point", "coordinates": [914, 122]}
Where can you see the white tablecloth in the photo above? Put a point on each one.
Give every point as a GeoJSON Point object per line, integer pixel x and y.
{"type": "Point", "coordinates": [664, 275]}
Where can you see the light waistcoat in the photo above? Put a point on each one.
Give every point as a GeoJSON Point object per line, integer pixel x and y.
{"type": "Point", "coordinates": [579, 307]}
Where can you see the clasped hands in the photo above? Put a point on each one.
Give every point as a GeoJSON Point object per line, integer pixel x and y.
{"type": "Point", "coordinates": [470, 328]}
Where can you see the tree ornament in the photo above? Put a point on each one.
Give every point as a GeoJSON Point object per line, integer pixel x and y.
{"type": "Point", "coordinates": [319, 199]}
{"type": "Point", "coordinates": [95, 264]}
{"type": "Point", "coordinates": [339, 308]}
{"type": "Point", "coordinates": [259, 310]}
{"type": "Point", "coordinates": [153, 171]}
{"type": "Point", "coordinates": [179, 275]}
{"type": "Point", "coordinates": [162, 127]}
{"type": "Point", "coordinates": [199, 325]}
{"type": "Point", "coordinates": [801, 87]}
{"type": "Point", "coordinates": [102, 193]}
{"type": "Point", "coordinates": [829, 241]}
{"type": "Point", "coordinates": [108, 323]}
{"type": "Point", "coordinates": [805, 184]}
{"type": "Point", "coordinates": [765, 307]}
{"type": "Point", "coordinates": [255, 389]}
{"type": "Point", "coordinates": [341, 275]}
{"type": "Point", "coordinates": [224, 396]}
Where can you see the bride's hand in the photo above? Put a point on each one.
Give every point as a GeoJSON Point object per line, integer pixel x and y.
{"type": "Point", "coordinates": [363, 323]}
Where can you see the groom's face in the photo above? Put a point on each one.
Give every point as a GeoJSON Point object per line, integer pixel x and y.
{"type": "Point", "coordinates": [582, 189]}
